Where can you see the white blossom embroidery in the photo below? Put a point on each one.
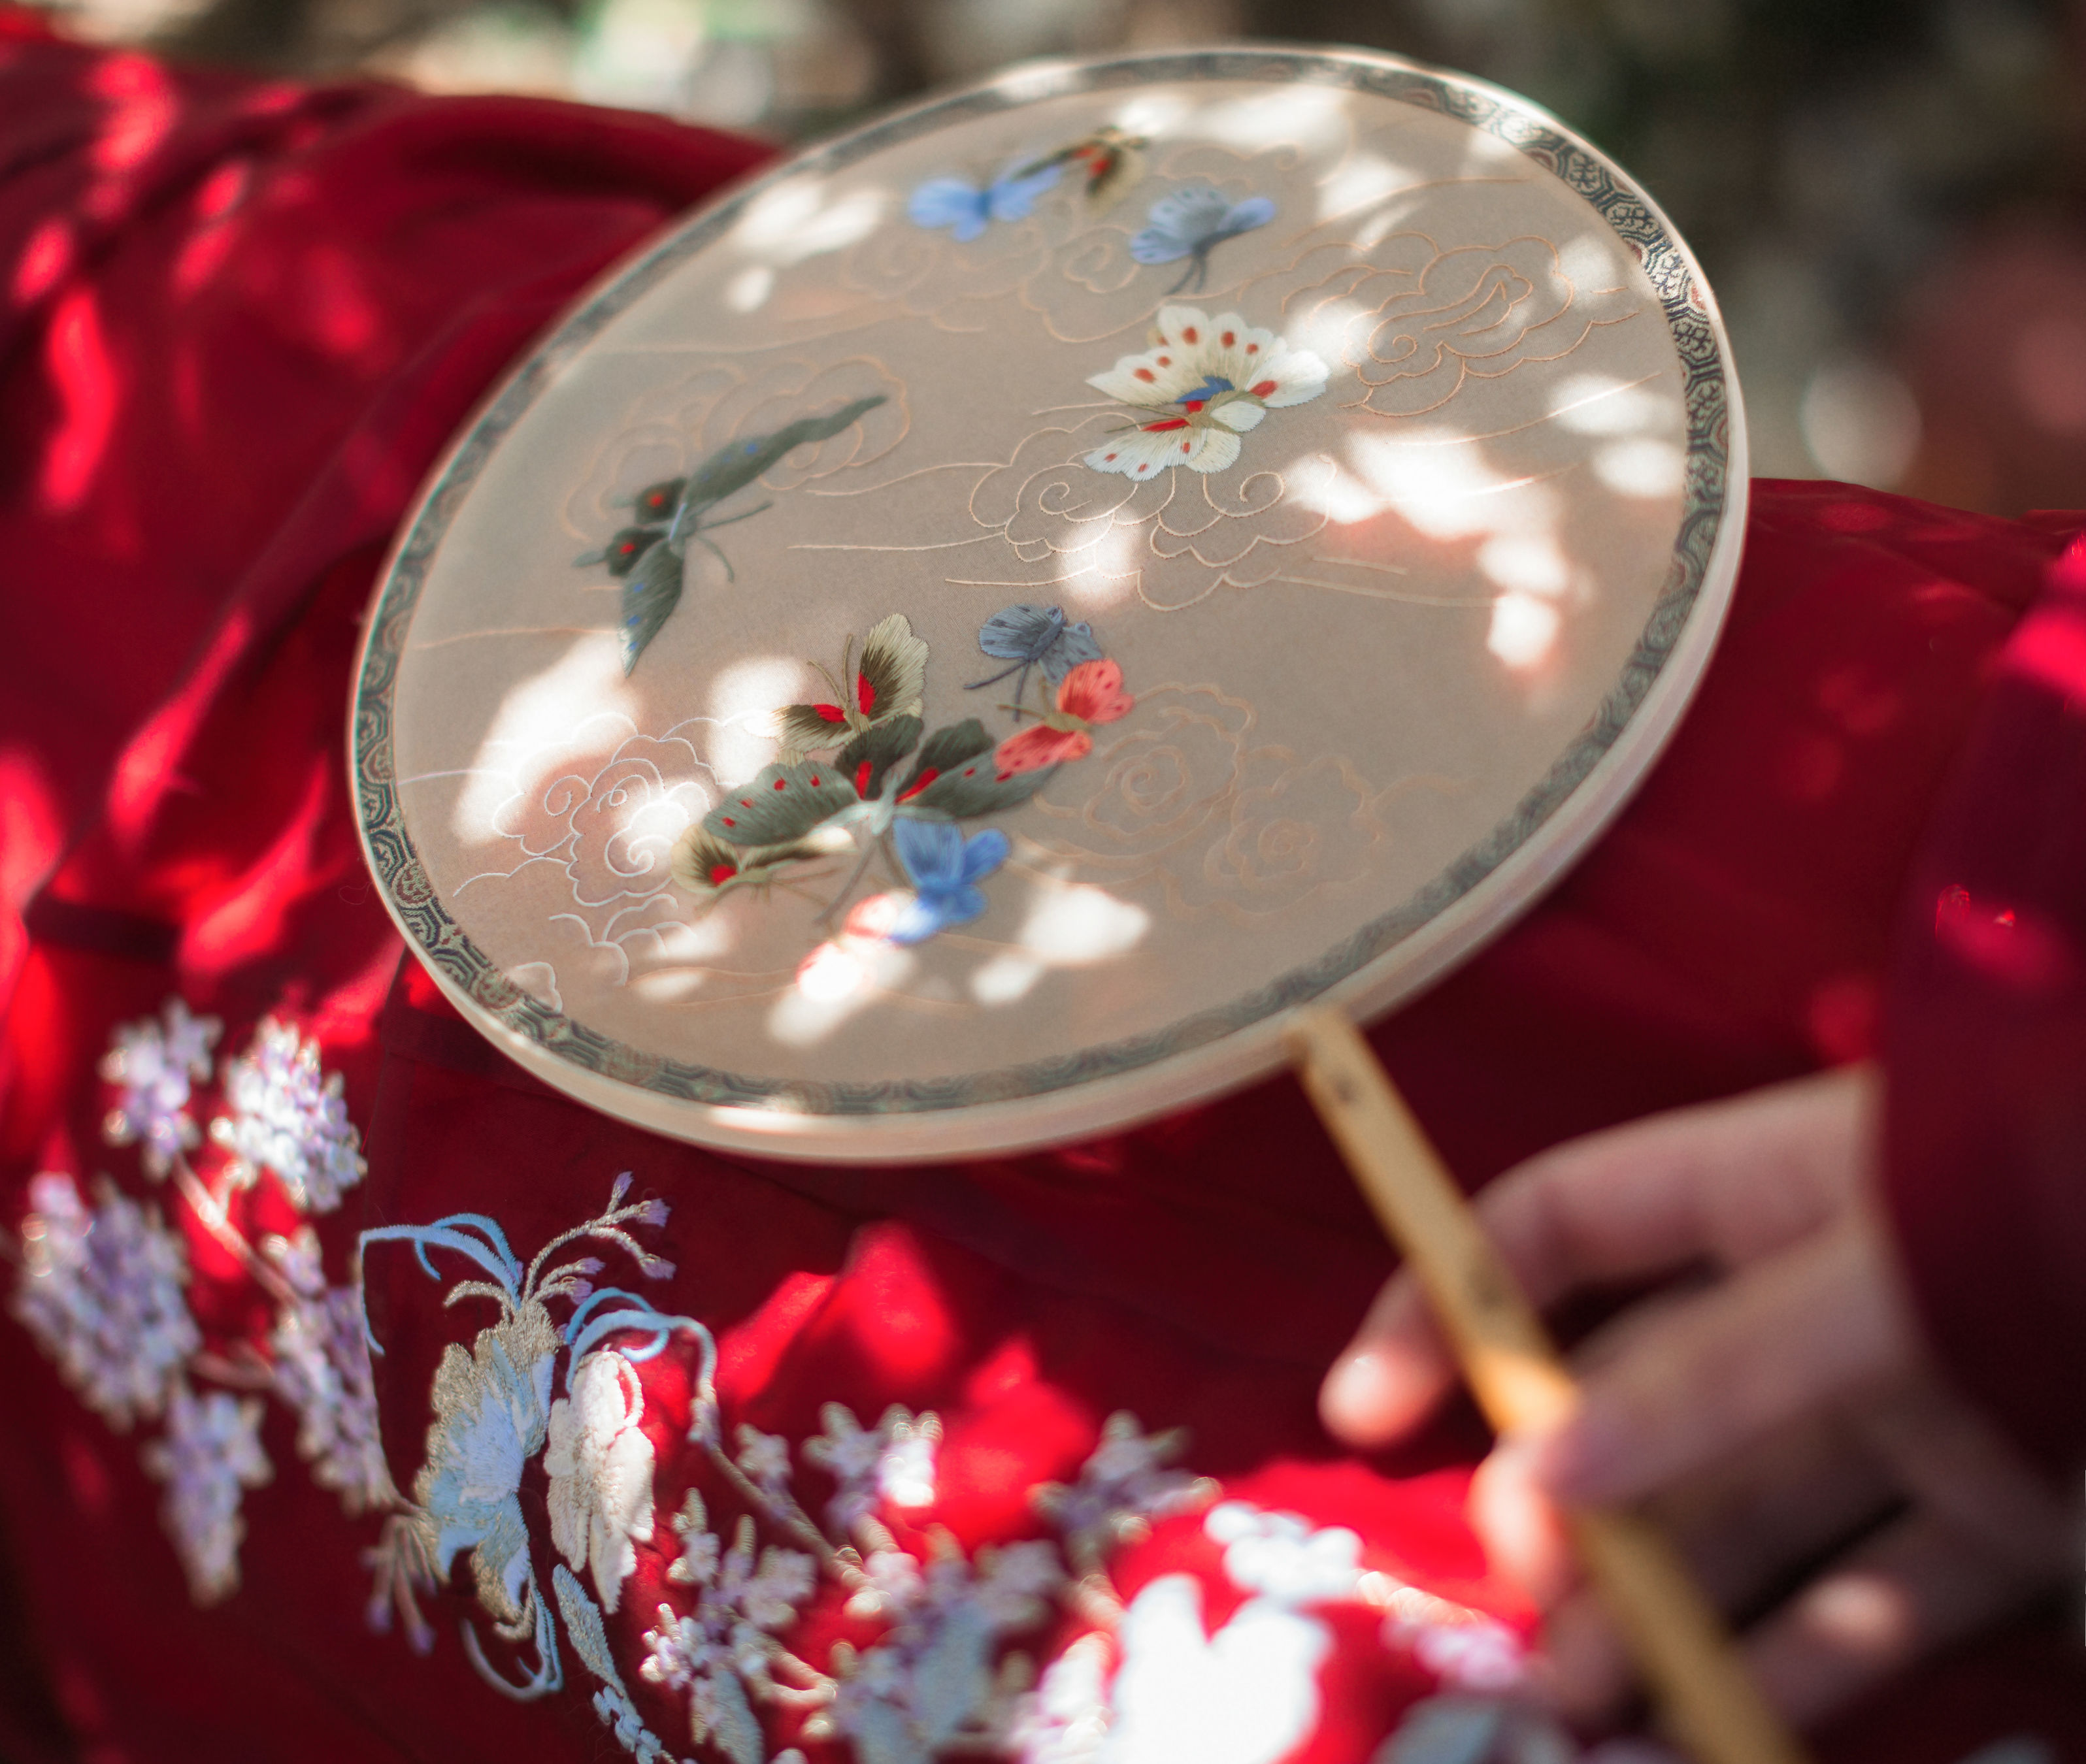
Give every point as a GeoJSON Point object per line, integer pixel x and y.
{"type": "Point", "coordinates": [492, 1416]}
{"type": "Point", "coordinates": [1248, 1695]}
{"type": "Point", "coordinates": [323, 1371]}
{"type": "Point", "coordinates": [156, 1063]}
{"type": "Point", "coordinates": [101, 1290]}
{"type": "Point", "coordinates": [1065, 1719]}
{"type": "Point", "coordinates": [892, 1461]}
{"type": "Point", "coordinates": [209, 1456]}
{"type": "Point", "coordinates": [288, 1116]}
{"type": "Point", "coordinates": [1280, 1557]}
{"type": "Point", "coordinates": [1478, 1655]}
{"type": "Point", "coordinates": [932, 1664]}
{"type": "Point", "coordinates": [599, 1463]}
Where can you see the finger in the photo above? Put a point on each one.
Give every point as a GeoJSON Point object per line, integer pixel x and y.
{"type": "Point", "coordinates": [1589, 1676]}
{"type": "Point", "coordinates": [1392, 1373]}
{"type": "Point", "coordinates": [1917, 1587]}
{"type": "Point", "coordinates": [1743, 1527]}
{"type": "Point", "coordinates": [1760, 1516]}
{"type": "Point", "coordinates": [1955, 1464]}
{"type": "Point", "coordinates": [1729, 1367]}
{"type": "Point", "coordinates": [1524, 1537]}
{"type": "Point", "coordinates": [1727, 1180]}
{"type": "Point", "coordinates": [1730, 1181]}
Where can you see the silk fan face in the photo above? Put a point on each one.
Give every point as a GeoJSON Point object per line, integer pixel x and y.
{"type": "Point", "coordinates": [942, 651]}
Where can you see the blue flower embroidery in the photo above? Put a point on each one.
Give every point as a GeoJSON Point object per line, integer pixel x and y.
{"type": "Point", "coordinates": [967, 210]}
{"type": "Point", "coordinates": [1191, 224]}
{"type": "Point", "coordinates": [945, 868]}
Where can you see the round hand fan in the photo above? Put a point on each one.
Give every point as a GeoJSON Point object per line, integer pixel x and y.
{"type": "Point", "coordinates": [945, 649]}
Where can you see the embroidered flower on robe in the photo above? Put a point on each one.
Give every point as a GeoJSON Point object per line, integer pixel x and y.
{"type": "Point", "coordinates": [289, 1115]}
{"type": "Point", "coordinates": [156, 1063]}
{"type": "Point", "coordinates": [600, 1466]}
{"type": "Point", "coordinates": [101, 1289]}
{"type": "Point", "coordinates": [1203, 383]}
{"type": "Point", "coordinates": [764, 1457]}
{"type": "Point", "coordinates": [1124, 1485]}
{"type": "Point", "coordinates": [1065, 1719]}
{"type": "Point", "coordinates": [892, 1461]}
{"type": "Point", "coordinates": [1478, 1655]}
{"type": "Point", "coordinates": [491, 1406]}
{"type": "Point", "coordinates": [210, 1456]}
{"type": "Point", "coordinates": [1246, 1694]}
{"type": "Point", "coordinates": [721, 1648]}
{"type": "Point", "coordinates": [322, 1370]}
{"type": "Point", "coordinates": [1490, 1730]}
{"type": "Point", "coordinates": [928, 1686]}
{"type": "Point", "coordinates": [1279, 1556]}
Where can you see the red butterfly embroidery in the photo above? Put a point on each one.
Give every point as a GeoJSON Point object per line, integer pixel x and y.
{"type": "Point", "coordinates": [1090, 693]}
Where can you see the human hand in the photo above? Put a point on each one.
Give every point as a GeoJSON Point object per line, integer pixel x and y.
{"type": "Point", "coordinates": [1780, 1414]}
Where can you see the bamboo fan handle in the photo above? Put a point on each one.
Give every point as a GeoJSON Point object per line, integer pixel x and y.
{"type": "Point", "coordinates": [1680, 1646]}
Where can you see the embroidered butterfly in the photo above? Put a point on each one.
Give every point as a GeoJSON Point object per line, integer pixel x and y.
{"type": "Point", "coordinates": [884, 685]}
{"type": "Point", "coordinates": [647, 558]}
{"type": "Point", "coordinates": [1091, 693]}
{"type": "Point", "coordinates": [1026, 637]}
{"type": "Point", "coordinates": [1202, 384]}
{"type": "Point", "coordinates": [967, 210]}
{"type": "Point", "coordinates": [945, 869]}
{"type": "Point", "coordinates": [1109, 159]}
{"type": "Point", "coordinates": [1191, 224]}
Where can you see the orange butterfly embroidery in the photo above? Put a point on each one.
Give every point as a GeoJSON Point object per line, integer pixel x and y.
{"type": "Point", "coordinates": [1091, 693]}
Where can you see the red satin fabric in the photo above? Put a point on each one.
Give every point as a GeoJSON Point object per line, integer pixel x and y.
{"type": "Point", "coordinates": [241, 321]}
{"type": "Point", "coordinates": [1986, 1135]}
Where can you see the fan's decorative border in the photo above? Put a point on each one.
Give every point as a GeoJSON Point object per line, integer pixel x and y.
{"type": "Point", "coordinates": [1706, 500]}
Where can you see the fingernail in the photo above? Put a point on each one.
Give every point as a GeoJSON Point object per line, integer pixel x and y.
{"type": "Point", "coordinates": [1353, 1389]}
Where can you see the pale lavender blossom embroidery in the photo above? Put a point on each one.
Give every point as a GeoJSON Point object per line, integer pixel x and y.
{"type": "Point", "coordinates": [724, 1647]}
{"type": "Point", "coordinates": [288, 1116]}
{"type": "Point", "coordinates": [156, 1064]}
{"type": "Point", "coordinates": [211, 1455]}
{"type": "Point", "coordinates": [1123, 1486]}
{"type": "Point", "coordinates": [928, 1686]}
{"type": "Point", "coordinates": [766, 1459]}
{"type": "Point", "coordinates": [101, 1289]}
{"type": "Point", "coordinates": [892, 1461]}
{"type": "Point", "coordinates": [323, 1371]}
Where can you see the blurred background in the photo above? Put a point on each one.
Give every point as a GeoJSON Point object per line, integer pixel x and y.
{"type": "Point", "coordinates": [1889, 196]}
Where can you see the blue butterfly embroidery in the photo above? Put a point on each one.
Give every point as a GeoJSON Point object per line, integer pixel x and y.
{"type": "Point", "coordinates": [1191, 224]}
{"type": "Point", "coordinates": [966, 211]}
{"type": "Point", "coordinates": [945, 868]}
{"type": "Point", "coordinates": [1026, 637]}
